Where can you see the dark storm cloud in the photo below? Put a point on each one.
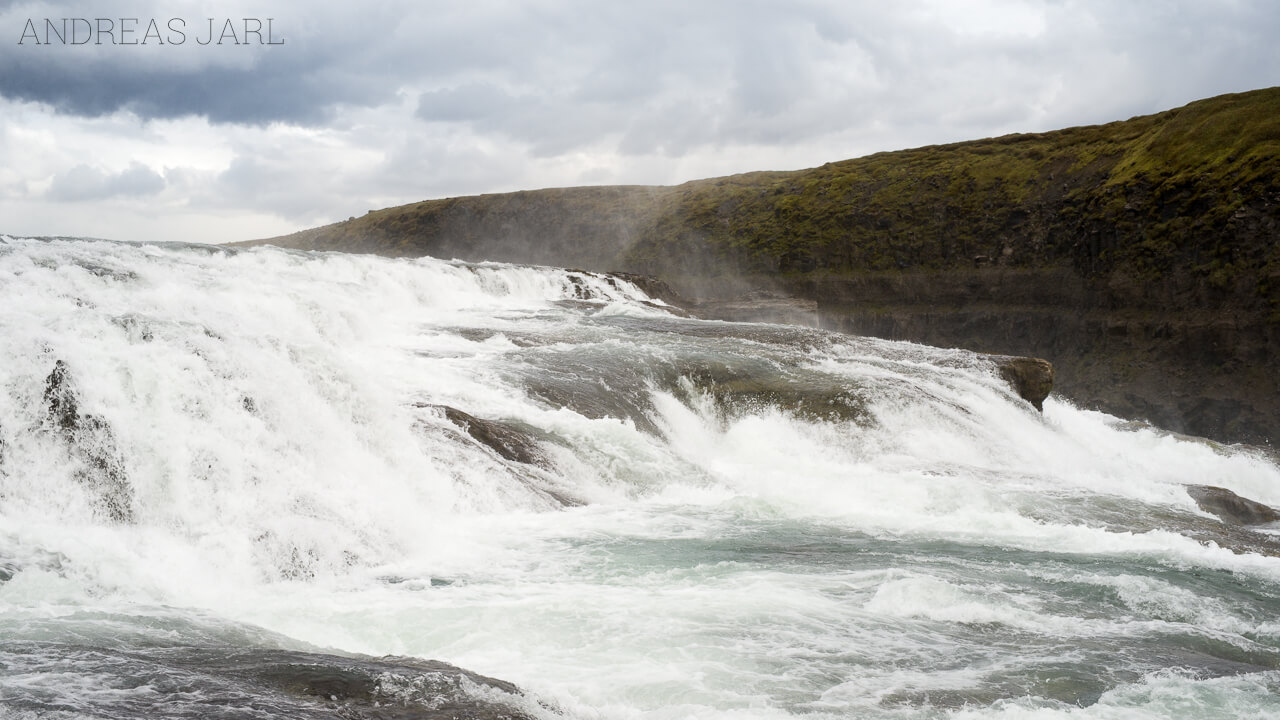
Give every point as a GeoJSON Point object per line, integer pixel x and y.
{"type": "Point", "coordinates": [471, 103]}
{"type": "Point", "coordinates": [320, 66]}
{"type": "Point", "coordinates": [405, 99]}
{"type": "Point", "coordinates": [566, 74]}
{"type": "Point", "coordinates": [369, 105]}
{"type": "Point", "coordinates": [256, 95]}
{"type": "Point", "coordinates": [668, 76]}
{"type": "Point", "coordinates": [83, 182]}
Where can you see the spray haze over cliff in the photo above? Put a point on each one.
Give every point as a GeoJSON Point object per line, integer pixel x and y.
{"type": "Point", "coordinates": [1139, 256]}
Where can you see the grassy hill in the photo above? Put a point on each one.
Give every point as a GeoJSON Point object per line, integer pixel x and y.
{"type": "Point", "coordinates": [1141, 256]}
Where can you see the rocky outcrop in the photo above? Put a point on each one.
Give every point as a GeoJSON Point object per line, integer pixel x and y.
{"type": "Point", "coordinates": [1192, 372]}
{"type": "Point", "coordinates": [357, 687]}
{"type": "Point", "coordinates": [502, 438]}
{"type": "Point", "coordinates": [1031, 378]}
{"type": "Point", "coordinates": [532, 466]}
{"type": "Point", "coordinates": [653, 286]}
{"type": "Point", "coordinates": [91, 444]}
{"type": "Point", "coordinates": [1230, 507]}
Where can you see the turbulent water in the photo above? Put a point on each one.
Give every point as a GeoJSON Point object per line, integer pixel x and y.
{"type": "Point", "coordinates": [232, 482]}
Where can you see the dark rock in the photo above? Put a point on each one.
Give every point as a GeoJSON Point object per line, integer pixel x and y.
{"type": "Point", "coordinates": [91, 441]}
{"type": "Point", "coordinates": [652, 286]}
{"type": "Point", "coordinates": [803, 400]}
{"type": "Point", "coordinates": [1031, 378]}
{"type": "Point", "coordinates": [1126, 516]}
{"type": "Point", "coordinates": [227, 682]}
{"type": "Point", "coordinates": [389, 687]}
{"type": "Point", "coordinates": [580, 289]}
{"type": "Point", "coordinates": [648, 284]}
{"type": "Point", "coordinates": [510, 443]}
{"type": "Point", "coordinates": [738, 389]}
{"type": "Point", "coordinates": [64, 411]}
{"type": "Point", "coordinates": [1230, 507]}
{"type": "Point", "coordinates": [593, 386]}
{"type": "Point", "coordinates": [503, 439]}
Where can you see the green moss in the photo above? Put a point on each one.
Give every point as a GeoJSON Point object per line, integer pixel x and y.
{"type": "Point", "coordinates": [1191, 190]}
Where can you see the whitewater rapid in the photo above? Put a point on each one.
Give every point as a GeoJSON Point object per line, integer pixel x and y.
{"type": "Point", "coordinates": [259, 450]}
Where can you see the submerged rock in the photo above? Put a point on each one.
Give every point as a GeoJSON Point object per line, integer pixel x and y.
{"type": "Point", "coordinates": [1230, 507]}
{"type": "Point", "coordinates": [750, 388]}
{"type": "Point", "coordinates": [1031, 378]}
{"type": "Point", "coordinates": [226, 682]}
{"type": "Point", "coordinates": [390, 687]}
{"type": "Point", "coordinates": [51, 562]}
{"type": "Point", "coordinates": [1121, 515]}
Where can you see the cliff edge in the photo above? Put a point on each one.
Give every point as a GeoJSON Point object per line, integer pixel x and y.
{"type": "Point", "coordinates": [1141, 257]}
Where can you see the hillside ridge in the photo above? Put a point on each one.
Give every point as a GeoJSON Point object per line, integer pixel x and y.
{"type": "Point", "coordinates": [1140, 256]}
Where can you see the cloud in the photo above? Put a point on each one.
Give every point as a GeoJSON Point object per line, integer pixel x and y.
{"type": "Point", "coordinates": [371, 105]}
{"type": "Point", "coordinates": [254, 95]}
{"type": "Point", "coordinates": [84, 182]}
{"type": "Point", "coordinates": [563, 75]}
{"type": "Point", "coordinates": [326, 60]}
{"type": "Point", "coordinates": [471, 102]}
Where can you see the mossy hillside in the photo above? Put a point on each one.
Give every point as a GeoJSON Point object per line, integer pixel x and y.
{"type": "Point", "coordinates": [1180, 207]}
{"type": "Point", "coordinates": [528, 226]}
{"type": "Point", "coordinates": [1191, 191]}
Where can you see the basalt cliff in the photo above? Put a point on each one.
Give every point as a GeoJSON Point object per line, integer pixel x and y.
{"type": "Point", "coordinates": [1141, 257]}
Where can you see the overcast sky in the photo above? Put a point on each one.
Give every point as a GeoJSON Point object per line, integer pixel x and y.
{"type": "Point", "coordinates": [352, 108]}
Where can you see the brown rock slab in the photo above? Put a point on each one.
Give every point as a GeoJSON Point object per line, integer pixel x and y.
{"type": "Point", "coordinates": [1031, 378]}
{"type": "Point", "coordinates": [1230, 507]}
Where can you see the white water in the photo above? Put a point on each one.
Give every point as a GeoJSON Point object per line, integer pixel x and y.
{"type": "Point", "coordinates": [291, 483]}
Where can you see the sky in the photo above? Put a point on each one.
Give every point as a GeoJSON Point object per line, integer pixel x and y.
{"type": "Point", "coordinates": [265, 117]}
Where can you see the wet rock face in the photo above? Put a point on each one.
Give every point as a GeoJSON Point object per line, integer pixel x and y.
{"type": "Point", "coordinates": [751, 388]}
{"type": "Point", "coordinates": [91, 443]}
{"type": "Point", "coordinates": [63, 408]}
{"type": "Point", "coordinates": [531, 465]}
{"type": "Point", "coordinates": [1230, 507]}
{"type": "Point", "coordinates": [388, 688]}
{"type": "Point", "coordinates": [503, 439]}
{"type": "Point", "coordinates": [223, 683]}
{"type": "Point", "coordinates": [1031, 378]}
